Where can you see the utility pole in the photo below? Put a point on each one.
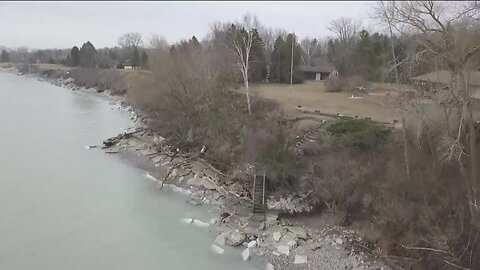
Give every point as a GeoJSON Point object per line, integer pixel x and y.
{"type": "Point", "coordinates": [291, 62]}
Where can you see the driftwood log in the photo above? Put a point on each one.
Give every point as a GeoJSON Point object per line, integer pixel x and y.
{"type": "Point", "coordinates": [114, 140]}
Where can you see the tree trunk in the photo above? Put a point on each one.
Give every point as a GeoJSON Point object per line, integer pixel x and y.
{"type": "Point", "coordinates": [474, 182]}
{"type": "Point", "coordinates": [404, 126]}
{"type": "Point", "coordinates": [247, 89]}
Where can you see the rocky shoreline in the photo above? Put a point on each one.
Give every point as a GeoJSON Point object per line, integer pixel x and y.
{"type": "Point", "coordinates": [279, 242]}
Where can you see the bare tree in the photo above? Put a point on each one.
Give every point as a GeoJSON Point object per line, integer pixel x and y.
{"type": "Point", "coordinates": [447, 32]}
{"type": "Point", "coordinates": [158, 41]}
{"type": "Point", "coordinates": [130, 40]}
{"type": "Point", "coordinates": [268, 37]}
{"type": "Point", "coordinates": [309, 47]}
{"type": "Point", "coordinates": [158, 50]}
{"type": "Point", "coordinates": [345, 29]}
{"type": "Point", "coordinates": [241, 46]}
{"type": "Point", "coordinates": [385, 11]}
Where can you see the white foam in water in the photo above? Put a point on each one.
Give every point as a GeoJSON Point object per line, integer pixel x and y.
{"type": "Point", "coordinates": [178, 189]}
{"type": "Point", "coordinates": [200, 223]}
{"type": "Point", "coordinates": [147, 175]}
{"type": "Point", "coordinates": [187, 220]}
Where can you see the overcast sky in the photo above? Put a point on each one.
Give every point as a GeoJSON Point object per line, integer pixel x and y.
{"type": "Point", "coordinates": [65, 24]}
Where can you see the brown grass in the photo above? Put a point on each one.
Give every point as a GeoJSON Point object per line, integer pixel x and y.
{"type": "Point", "coordinates": [313, 95]}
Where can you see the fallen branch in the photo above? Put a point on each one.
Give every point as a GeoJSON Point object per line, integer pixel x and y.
{"type": "Point", "coordinates": [457, 266]}
{"type": "Point", "coordinates": [426, 249]}
{"type": "Point", "coordinates": [114, 140]}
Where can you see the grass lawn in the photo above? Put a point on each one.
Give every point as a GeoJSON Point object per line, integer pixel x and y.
{"type": "Point", "coordinates": [312, 95]}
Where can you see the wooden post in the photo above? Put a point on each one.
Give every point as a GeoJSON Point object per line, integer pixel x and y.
{"type": "Point", "coordinates": [263, 197]}
{"type": "Point", "coordinates": [253, 193]}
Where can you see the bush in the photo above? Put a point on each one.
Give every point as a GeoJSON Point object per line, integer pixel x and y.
{"type": "Point", "coordinates": [357, 133]}
{"type": "Point", "coordinates": [335, 84]}
{"type": "Point", "coordinates": [278, 160]}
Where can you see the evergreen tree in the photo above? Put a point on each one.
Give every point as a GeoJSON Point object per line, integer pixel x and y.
{"type": "Point", "coordinates": [370, 55]}
{"type": "Point", "coordinates": [297, 60]}
{"type": "Point", "coordinates": [331, 52]}
{"type": "Point", "coordinates": [276, 60]}
{"type": "Point", "coordinates": [135, 57]}
{"type": "Point", "coordinates": [5, 57]}
{"type": "Point", "coordinates": [195, 42]}
{"type": "Point", "coordinates": [144, 60]}
{"type": "Point", "coordinates": [281, 61]}
{"type": "Point", "coordinates": [75, 56]}
{"type": "Point", "coordinates": [87, 55]}
{"type": "Point", "coordinates": [258, 70]}
{"type": "Point", "coordinates": [68, 61]}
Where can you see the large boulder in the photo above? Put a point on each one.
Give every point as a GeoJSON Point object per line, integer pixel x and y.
{"type": "Point", "coordinates": [300, 232]}
{"type": "Point", "coordinates": [300, 259]}
{"type": "Point", "coordinates": [220, 239]}
{"type": "Point", "coordinates": [217, 249]}
{"type": "Point", "coordinates": [202, 182]}
{"type": "Point", "coordinates": [234, 238]}
{"type": "Point", "coordinates": [290, 240]}
{"type": "Point", "coordinates": [246, 254]}
{"type": "Point", "coordinates": [269, 267]}
{"type": "Point", "coordinates": [284, 250]}
{"type": "Point", "coordinates": [276, 236]}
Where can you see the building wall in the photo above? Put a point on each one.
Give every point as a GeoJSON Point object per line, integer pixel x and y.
{"type": "Point", "coordinates": [316, 76]}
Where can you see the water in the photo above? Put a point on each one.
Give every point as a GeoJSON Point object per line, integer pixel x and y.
{"type": "Point", "coordinates": [65, 207]}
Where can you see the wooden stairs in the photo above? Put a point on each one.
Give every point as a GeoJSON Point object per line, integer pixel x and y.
{"type": "Point", "coordinates": [258, 193]}
{"type": "Point", "coordinates": [259, 207]}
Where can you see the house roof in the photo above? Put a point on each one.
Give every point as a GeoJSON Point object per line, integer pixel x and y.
{"type": "Point", "coordinates": [318, 65]}
{"type": "Point", "coordinates": [445, 76]}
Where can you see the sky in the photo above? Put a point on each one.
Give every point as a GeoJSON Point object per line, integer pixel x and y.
{"type": "Point", "coordinates": [41, 25]}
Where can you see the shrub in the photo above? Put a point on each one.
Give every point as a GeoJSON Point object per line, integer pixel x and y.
{"type": "Point", "coordinates": [335, 84]}
{"type": "Point", "coordinates": [278, 160]}
{"type": "Point", "coordinates": [357, 133]}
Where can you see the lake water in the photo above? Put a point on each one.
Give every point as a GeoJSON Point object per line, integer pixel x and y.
{"type": "Point", "coordinates": [65, 207]}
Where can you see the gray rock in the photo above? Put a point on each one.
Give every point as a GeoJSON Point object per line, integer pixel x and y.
{"type": "Point", "coordinates": [290, 240]}
{"type": "Point", "coordinates": [284, 250]}
{"type": "Point", "coordinates": [220, 239]}
{"type": "Point", "coordinates": [269, 267]}
{"type": "Point", "coordinates": [234, 238]}
{"type": "Point", "coordinates": [252, 244]}
{"type": "Point", "coordinates": [300, 259]}
{"type": "Point", "coordinates": [217, 249]}
{"type": "Point", "coordinates": [246, 254]}
{"type": "Point", "coordinates": [300, 232]}
{"type": "Point", "coordinates": [276, 236]}
{"type": "Point", "coordinates": [202, 182]}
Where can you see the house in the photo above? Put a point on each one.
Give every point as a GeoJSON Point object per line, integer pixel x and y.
{"type": "Point", "coordinates": [440, 79]}
{"type": "Point", "coordinates": [127, 64]}
{"type": "Point", "coordinates": [319, 70]}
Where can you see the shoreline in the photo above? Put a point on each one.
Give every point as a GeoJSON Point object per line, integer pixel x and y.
{"type": "Point", "coordinates": [280, 244]}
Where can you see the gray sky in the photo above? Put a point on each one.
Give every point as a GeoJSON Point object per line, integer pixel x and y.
{"type": "Point", "coordinates": [65, 24]}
